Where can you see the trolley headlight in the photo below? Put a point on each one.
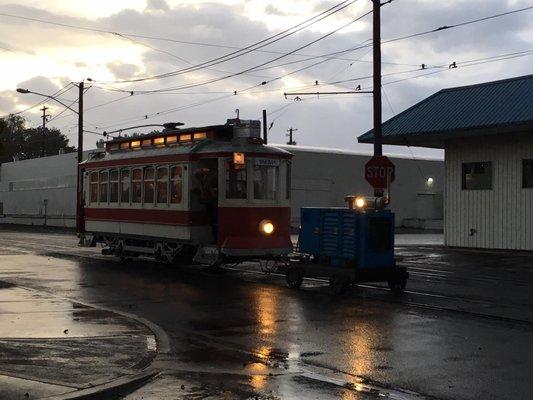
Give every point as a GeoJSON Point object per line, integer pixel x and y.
{"type": "Point", "coordinates": [266, 227]}
{"type": "Point", "coordinates": [360, 202]}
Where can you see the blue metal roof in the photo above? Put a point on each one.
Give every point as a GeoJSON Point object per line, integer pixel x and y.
{"type": "Point", "coordinates": [492, 107]}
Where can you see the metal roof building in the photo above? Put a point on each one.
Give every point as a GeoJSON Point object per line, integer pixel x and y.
{"type": "Point", "coordinates": [486, 131]}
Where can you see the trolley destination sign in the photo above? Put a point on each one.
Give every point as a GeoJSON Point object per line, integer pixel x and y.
{"type": "Point", "coordinates": [380, 172]}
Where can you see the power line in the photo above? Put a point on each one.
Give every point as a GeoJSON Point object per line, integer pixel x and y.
{"type": "Point", "coordinates": [460, 64]}
{"type": "Point", "coordinates": [188, 86]}
{"type": "Point", "coordinates": [446, 27]}
{"type": "Point", "coordinates": [149, 37]}
{"type": "Point", "coordinates": [239, 53]}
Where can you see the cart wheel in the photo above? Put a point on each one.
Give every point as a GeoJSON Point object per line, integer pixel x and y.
{"type": "Point", "coordinates": [397, 285]}
{"type": "Point", "coordinates": [294, 277]}
{"type": "Point", "coordinates": [338, 284]}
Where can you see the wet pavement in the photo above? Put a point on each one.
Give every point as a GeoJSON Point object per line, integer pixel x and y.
{"type": "Point", "coordinates": [462, 330]}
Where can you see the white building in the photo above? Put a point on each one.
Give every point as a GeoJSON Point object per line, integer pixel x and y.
{"type": "Point", "coordinates": [487, 133]}
{"type": "Point", "coordinates": [42, 191]}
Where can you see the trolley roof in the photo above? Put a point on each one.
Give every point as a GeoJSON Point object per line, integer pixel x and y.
{"type": "Point", "coordinates": [181, 145]}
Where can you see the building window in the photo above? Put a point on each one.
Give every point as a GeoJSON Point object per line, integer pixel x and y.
{"type": "Point", "coordinates": [125, 185]}
{"type": "Point", "coordinates": [149, 185]}
{"type": "Point", "coordinates": [235, 181]}
{"type": "Point", "coordinates": [527, 174]}
{"type": "Point", "coordinates": [113, 186]}
{"type": "Point", "coordinates": [265, 182]}
{"type": "Point", "coordinates": [94, 187]}
{"type": "Point", "coordinates": [136, 186]}
{"type": "Point", "coordinates": [477, 176]}
{"type": "Point", "coordinates": [175, 184]}
{"type": "Point", "coordinates": [103, 187]}
{"type": "Point", "coordinates": [162, 185]}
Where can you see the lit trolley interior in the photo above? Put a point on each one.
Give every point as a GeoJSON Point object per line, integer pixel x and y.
{"type": "Point", "coordinates": [211, 193]}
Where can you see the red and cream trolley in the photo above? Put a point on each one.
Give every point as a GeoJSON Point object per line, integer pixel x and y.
{"type": "Point", "coordinates": [212, 193]}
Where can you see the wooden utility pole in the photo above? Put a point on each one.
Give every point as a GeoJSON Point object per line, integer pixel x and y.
{"type": "Point", "coordinates": [265, 130]}
{"type": "Point", "coordinates": [291, 142]}
{"type": "Point", "coordinates": [80, 226]}
{"type": "Point", "coordinates": [378, 150]}
{"type": "Point", "coordinates": [43, 129]}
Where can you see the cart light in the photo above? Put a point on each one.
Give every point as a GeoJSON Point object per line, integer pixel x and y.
{"type": "Point", "coordinates": [360, 202]}
{"type": "Point", "coordinates": [266, 227]}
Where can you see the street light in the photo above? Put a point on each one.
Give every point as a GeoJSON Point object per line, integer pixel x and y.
{"type": "Point", "coordinates": [79, 193]}
{"type": "Point", "coordinates": [26, 91]}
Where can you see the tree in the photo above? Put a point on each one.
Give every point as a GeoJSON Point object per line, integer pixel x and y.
{"type": "Point", "coordinates": [16, 140]}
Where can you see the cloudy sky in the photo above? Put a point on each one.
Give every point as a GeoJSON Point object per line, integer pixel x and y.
{"type": "Point", "coordinates": [171, 35]}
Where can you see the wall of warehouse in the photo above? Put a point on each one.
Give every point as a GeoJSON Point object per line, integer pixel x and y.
{"type": "Point", "coordinates": [323, 177]}
{"type": "Point", "coordinates": [320, 177]}
{"type": "Point", "coordinates": [496, 218]}
{"type": "Point", "coordinates": [39, 191]}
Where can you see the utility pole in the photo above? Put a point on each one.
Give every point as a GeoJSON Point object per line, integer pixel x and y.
{"type": "Point", "coordinates": [378, 151]}
{"type": "Point", "coordinates": [291, 142]}
{"type": "Point", "coordinates": [265, 131]}
{"type": "Point", "coordinates": [80, 226]}
{"type": "Point", "coordinates": [43, 128]}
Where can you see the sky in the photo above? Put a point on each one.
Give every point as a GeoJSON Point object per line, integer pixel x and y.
{"type": "Point", "coordinates": [175, 34]}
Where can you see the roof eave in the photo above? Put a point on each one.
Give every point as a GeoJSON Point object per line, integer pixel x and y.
{"type": "Point", "coordinates": [437, 139]}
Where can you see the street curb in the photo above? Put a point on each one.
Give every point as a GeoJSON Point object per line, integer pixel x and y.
{"type": "Point", "coordinates": [111, 390]}
{"type": "Point", "coordinates": [123, 384]}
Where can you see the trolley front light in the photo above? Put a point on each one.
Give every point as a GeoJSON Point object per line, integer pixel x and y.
{"type": "Point", "coordinates": [266, 227]}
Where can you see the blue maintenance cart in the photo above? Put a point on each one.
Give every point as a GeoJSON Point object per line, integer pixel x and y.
{"type": "Point", "coordinates": [347, 245]}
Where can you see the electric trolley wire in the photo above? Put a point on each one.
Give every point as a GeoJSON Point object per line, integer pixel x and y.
{"type": "Point", "coordinates": [166, 39]}
{"type": "Point", "coordinates": [446, 27]}
{"type": "Point", "coordinates": [239, 53]}
{"type": "Point", "coordinates": [461, 64]}
{"type": "Point", "coordinates": [197, 84]}
{"type": "Point", "coordinates": [364, 46]}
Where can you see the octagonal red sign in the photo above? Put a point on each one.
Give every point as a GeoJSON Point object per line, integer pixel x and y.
{"type": "Point", "coordinates": [379, 171]}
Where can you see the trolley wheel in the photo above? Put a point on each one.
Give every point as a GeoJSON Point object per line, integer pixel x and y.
{"type": "Point", "coordinates": [338, 284]}
{"type": "Point", "coordinates": [397, 285]}
{"type": "Point", "coordinates": [294, 277]}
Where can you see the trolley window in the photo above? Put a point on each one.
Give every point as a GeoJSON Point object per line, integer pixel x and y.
{"type": "Point", "coordinates": [103, 186]}
{"type": "Point", "coordinates": [162, 185]}
{"type": "Point", "coordinates": [235, 181]}
{"type": "Point", "coordinates": [149, 185]}
{"type": "Point", "coordinates": [136, 186]}
{"type": "Point", "coordinates": [113, 186]}
{"type": "Point", "coordinates": [176, 184]}
{"type": "Point", "coordinates": [266, 177]}
{"type": "Point", "coordinates": [125, 186]}
{"type": "Point", "coordinates": [94, 187]}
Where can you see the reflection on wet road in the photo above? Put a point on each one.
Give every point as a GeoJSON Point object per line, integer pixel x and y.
{"type": "Point", "coordinates": [239, 334]}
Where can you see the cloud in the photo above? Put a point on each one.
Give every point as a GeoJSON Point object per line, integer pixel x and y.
{"type": "Point", "coordinates": [223, 28]}
{"type": "Point", "coordinates": [123, 71]}
{"type": "Point", "coordinates": [159, 5]}
{"type": "Point", "coordinates": [272, 10]}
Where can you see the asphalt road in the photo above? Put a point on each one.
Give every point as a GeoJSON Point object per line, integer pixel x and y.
{"type": "Point", "coordinates": [462, 330]}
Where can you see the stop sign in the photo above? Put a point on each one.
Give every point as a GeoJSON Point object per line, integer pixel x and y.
{"type": "Point", "coordinates": [379, 171]}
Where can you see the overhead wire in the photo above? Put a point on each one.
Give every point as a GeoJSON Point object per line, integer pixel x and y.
{"type": "Point", "coordinates": [248, 49]}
